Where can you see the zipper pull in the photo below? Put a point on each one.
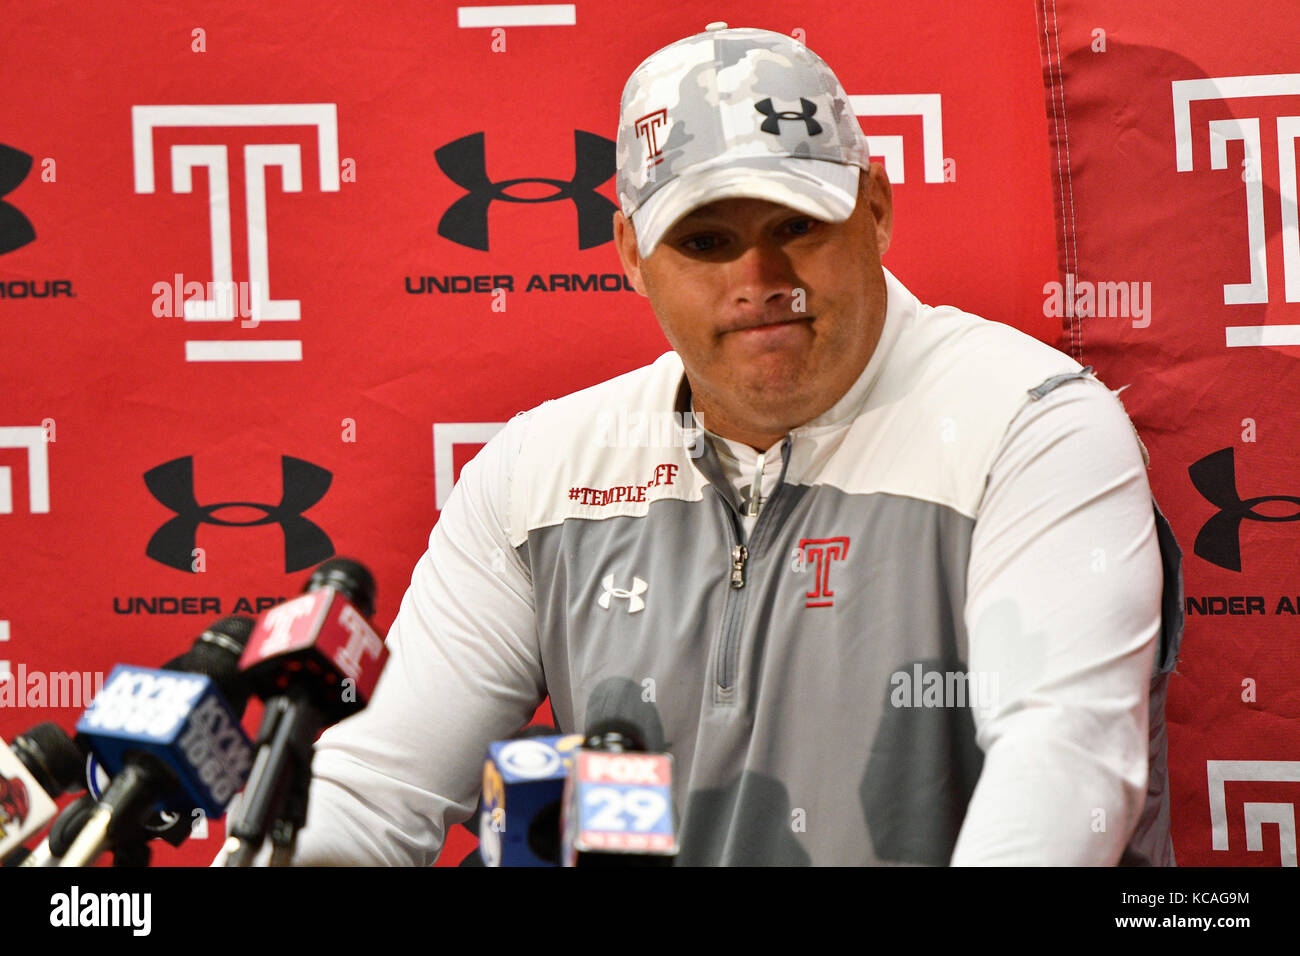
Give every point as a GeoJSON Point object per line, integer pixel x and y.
{"type": "Point", "coordinates": [754, 497]}
{"type": "Point", "coordinates": [739, 554]}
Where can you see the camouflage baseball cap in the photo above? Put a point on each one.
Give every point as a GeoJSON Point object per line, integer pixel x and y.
{"type": "Point", "coordinates": [735, 113]}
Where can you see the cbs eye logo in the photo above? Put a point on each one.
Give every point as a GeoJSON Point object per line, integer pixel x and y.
{"type": "Point", "coordinates": [529, 758]}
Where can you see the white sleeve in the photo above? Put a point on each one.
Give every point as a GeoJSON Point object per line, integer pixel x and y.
{"type": "Point", "coordinates": [1063, 613]}
{"type": "Point", "coordinates": [464, 670]}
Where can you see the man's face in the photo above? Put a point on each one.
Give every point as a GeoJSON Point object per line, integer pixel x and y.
{"type": "Point", "coordinates": [774, 313]}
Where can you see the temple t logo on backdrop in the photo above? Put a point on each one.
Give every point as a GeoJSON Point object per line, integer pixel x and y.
{"type": "Point", "coordinates": [33, 439]}
{"type": "Point", "coordinates": [928, 106]}
{"type": "Point", "coordinates": [1251, 134]}
{"type": "Point", "coordinates": [1255, 814]}
{"type": "Point", "coordinates": [219, 304]}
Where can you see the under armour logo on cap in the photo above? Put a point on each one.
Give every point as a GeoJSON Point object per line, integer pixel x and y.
{"type": "Point", "coordinates": [699, 122]}
{"type": "Point", "coordinates": [773, 122]}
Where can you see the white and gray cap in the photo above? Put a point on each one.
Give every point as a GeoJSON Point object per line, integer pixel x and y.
{"type": "Point", "coordinates": [732, 113]}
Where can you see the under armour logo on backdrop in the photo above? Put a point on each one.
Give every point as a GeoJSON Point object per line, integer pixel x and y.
{"type": "Point", "coordinates": [305, 484]}
{"type": "Point", "coordinates": [773, 122]}
{"type": "Point", "coordinates": [16, 230]}
{"type": "Point", "coordinates": [633, 597]}
{"type": "Point", "coordinates": [466, 220]}
{"type": "Point", "coordinates": [1219, 540]}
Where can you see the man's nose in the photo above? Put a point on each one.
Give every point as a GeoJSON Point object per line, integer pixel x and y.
{"type": "Point", "coordinates": [762, 275]}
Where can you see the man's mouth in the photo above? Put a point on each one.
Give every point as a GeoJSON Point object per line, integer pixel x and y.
{"type": "Point", "coordinates": [777, 323]}
{"type": "Point", "coordinates": [773, 336]}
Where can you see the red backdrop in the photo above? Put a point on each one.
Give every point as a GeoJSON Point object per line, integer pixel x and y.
{"type": "Point", "coordinates": [1172, 130]}
{"type": "Point", "coordinates": [320, 158]}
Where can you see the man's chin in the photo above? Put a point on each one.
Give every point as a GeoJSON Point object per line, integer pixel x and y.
{"type": "Point", "coordinates": [772, 395]}
{"type": "Point", "coordinates": [777, 381]}
{"type": "Point", "coordinates": [775, 409]}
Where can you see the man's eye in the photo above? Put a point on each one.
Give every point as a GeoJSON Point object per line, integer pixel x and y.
{"type": "Point", "coordinates": [702, 243]}
{"type": "Point", "coordinates": [801, 227]}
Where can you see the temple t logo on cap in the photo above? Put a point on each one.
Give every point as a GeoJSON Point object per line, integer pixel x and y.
{"type": "Point", "coordinates": [645, 129]}
{"type": "Point", "coordinates": [715, 116]}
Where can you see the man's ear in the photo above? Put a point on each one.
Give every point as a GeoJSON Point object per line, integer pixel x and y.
{"type": "Point", "coordinates": [625, 241]}
{"type": "Point", "coordinates": [875, 188]}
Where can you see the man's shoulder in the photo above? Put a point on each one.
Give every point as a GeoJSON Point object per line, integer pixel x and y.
{"type": "Point", "coordinates": [947, 348]}
{"type": "Point", "coordinates": [945, 354]}
{"type": "Point", "coordinates": [548, 432]}
{"type": "Point", "coordinates": [949, 332]}
{"type": "Point", "coordinates": [603, 451]}
{"type": "Point", "coordinates": [950, 387]}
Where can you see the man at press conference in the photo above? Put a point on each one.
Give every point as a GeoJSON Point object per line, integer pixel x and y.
{"type": "Point", "coordinates": [885, 495]}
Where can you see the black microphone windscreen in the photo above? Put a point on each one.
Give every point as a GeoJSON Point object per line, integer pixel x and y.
{"type": "Point", "coordinates": [69, 823]}
{"type": "Point", "coordinates": [54, 759]}
{"type": "Point", "coordinates": [617, 705]}
{"type": "Point", "coordinates": [216, 654]}
{"type": "Point", "coordinates": [351, 578]}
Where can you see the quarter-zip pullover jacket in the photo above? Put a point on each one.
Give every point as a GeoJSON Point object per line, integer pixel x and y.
{"type": "Point", "coordinates": [939, 640]}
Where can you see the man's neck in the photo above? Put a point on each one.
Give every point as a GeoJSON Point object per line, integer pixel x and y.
{"type": "Point", "coordinates": [709, 419]}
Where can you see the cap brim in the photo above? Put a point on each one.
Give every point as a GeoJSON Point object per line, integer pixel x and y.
{"type": "Point", "coordinates": [816, 187]}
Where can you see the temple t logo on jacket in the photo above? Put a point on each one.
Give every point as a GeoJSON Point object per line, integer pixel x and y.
{"type": "Point", "coordinates": [817, 555]}
{"type": "Point", "coordinates": [633, 597]}
{"type": "Point", "coordinates": [305, 484]}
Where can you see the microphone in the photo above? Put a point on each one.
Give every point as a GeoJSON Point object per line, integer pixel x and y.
{"type": "Point", "coordinates": [620, 699]}
{"type": "Point", "coordinates": [169, 738]}
{"type": "Point", "coordinates": [65, 830]}
{"type": "Point", "coordinates": [40, 765]}
{"type": "Point", "coordinates": [618, 799]}
{"type": "Point", "coordinates": [315, 660]}
{"type": "Point", "coordinates": [523, 785]}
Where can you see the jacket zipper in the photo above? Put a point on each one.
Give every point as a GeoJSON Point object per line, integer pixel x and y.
{"type": "Point", "coordinates": [739, 555]}
{"type": "Point", "coordinates": [724, 673]}
{"type": "Point", "coordinates": [732, 611]}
